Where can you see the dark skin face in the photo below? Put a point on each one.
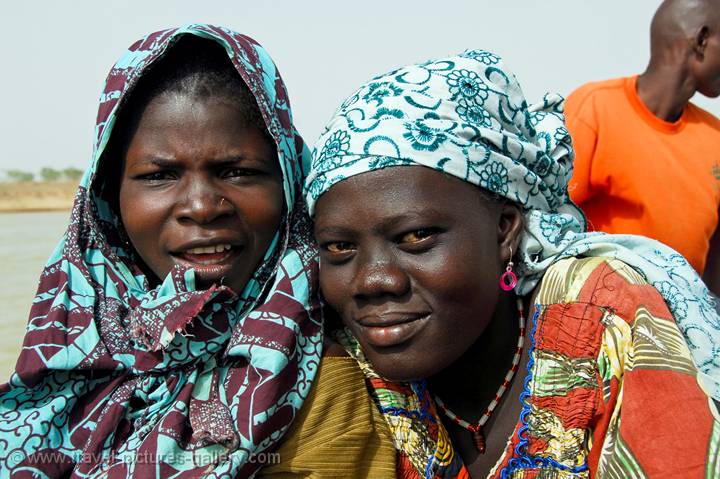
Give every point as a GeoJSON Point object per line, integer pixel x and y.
{"type": "Point", "coordinates": [410, 260]}
{"type": "Point", "coordinates": [685, 56]}
{"type": "Point", "coordinates": [706, 62]}
{"type": "Point", "coordinates": [200, 188]}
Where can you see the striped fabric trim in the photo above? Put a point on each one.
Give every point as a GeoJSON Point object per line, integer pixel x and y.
{"type": "Point", "coordinates": [658, 344]}
{"type": "Point", "coordinates": [622, 464]}
{"type": "Point", "coordinates": [712, 470]}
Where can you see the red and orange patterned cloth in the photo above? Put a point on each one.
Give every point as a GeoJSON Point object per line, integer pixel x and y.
{"type": "Point", "coordinates": [610, 390]}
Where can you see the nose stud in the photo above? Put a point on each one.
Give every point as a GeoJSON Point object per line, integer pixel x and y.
{"type": "Point", "coordinates": [222, 200]}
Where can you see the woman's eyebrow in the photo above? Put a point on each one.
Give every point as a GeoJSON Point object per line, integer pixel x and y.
{"type": "Point", "coordinates": [229, 160]}
{"type": "Point", "coordinates": [235, 159]}
{"type": "Point", "coordinates": [161, 162]}
{"type": "Point", "coordinates": [390, 222]}
{"type": "Point", "coordinates": [382, 225]}
{"type": "Point", "coordinates": [332, 230]}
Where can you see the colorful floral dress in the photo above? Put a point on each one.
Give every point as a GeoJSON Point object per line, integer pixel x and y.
{"type": "Point", "coordinates": [610, 392]}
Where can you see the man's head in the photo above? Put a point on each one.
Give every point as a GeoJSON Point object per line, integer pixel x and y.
{"type": "Point", "coordinates": [686, 33]}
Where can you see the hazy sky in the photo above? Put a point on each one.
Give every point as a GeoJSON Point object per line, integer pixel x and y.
{"type": "Point", "coordinates": [55, 54]}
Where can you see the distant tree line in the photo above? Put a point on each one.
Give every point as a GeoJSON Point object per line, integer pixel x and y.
{"type": "Point", "coordinates": [46, 174]}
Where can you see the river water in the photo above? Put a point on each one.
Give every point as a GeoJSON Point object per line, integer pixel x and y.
{"type": "Point", "coordinates": [26, 241]}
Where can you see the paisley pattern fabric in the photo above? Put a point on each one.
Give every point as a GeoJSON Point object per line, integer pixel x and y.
{"type": "Point", "coordinates": [603, 342]}
{"type": "Point", "coordinates": [466, 116]}
{"type": "Point", "coordinates": [117, 379]}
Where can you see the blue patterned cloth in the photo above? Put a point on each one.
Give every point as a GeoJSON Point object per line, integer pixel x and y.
{"type": "Point", "coordinates": [466, 116]}
{"type": "Point", "coordinates": [119, 378]}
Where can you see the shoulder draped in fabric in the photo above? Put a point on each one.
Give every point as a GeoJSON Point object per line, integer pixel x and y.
{"type": "Point", "coordinates": [118, 379]}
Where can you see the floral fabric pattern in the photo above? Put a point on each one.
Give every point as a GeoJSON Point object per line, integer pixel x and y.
{"type": "Point", "coordinates": [467, 116]}
{"type": "Point", "coordinates": [602, 342]}
{"type": "Point", "coordinates": [117, 379]}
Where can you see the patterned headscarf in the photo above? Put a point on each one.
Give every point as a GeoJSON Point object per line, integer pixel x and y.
{"type": "Point", "coordinates": [467, 116]}
{"type": "Point", "coordinates": [117, 379]}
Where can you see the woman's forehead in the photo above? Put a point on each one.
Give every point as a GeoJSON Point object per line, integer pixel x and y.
{"type": "Point", "coordinates": [398, 191]}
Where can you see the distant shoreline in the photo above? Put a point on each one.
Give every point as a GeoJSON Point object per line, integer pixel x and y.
{"type": "Point", "coordinates": [39, 209]}
{"type": "Point", "coordinates": [34, 196]}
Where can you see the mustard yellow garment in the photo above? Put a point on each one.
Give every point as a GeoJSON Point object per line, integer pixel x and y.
{"type": "Point", "coordinates": [339, 432]}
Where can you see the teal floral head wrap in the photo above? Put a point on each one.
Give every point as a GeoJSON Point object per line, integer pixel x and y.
{"type": "Point", "coordinates": [466, 116]}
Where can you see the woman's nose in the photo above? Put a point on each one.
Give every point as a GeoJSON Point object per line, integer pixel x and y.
{"type": "Point", "coordinates": [380, 274]}
{"type": "Point", "coordinates": [203, 203]}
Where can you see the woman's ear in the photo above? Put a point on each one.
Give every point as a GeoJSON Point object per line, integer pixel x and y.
{"type": "Point", "coordinates": [510, 225]}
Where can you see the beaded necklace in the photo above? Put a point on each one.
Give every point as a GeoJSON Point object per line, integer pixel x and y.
{"type": "Point", "coordinates": [477, 429]}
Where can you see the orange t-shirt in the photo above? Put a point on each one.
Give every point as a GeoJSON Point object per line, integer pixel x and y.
{"type": "Point", "coordinates": [637, 174]}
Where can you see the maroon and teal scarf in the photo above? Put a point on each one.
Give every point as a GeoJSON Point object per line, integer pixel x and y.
{"type": "Point", "coordinates": [117, 379]}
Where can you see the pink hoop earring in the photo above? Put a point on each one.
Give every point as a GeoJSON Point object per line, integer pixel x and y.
{"type": "Point", "coordinates": [508, 280]}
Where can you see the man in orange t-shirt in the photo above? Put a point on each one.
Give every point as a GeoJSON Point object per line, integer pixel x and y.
{"type": "Point", "coordinates": [648, 160]}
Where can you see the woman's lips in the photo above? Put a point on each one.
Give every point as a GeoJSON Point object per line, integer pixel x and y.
{"type": "Point", "coordinates": [206, 258]}
{"type": "Point", "coordinates": [390, 330]}
{"type": "Point", "coordinates": [210, 267]}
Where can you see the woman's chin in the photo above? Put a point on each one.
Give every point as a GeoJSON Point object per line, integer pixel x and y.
{"type": "Point", "coordinates": [205, 284]}
{"type": "Point", "coordinates": [402, 369]}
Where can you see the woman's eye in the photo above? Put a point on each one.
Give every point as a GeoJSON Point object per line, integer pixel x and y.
{"type": "Point", "coordinates": [418, 235]}
{"type": "Point", "coordinates": [338, 247]}
{"type": "Point", "coordinates": [158, 176]}
{"type": "Point", "coordinates": [240, 172]}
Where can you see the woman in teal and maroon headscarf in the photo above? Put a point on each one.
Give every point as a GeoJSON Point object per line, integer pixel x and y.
{"type": "Point", "coordinates": [175, 332]}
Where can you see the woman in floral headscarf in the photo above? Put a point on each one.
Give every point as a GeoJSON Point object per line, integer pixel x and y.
{"type": "Point", "coordinates": [496, 335]}
{"type": "Point", "coordinates": [175, 331]}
